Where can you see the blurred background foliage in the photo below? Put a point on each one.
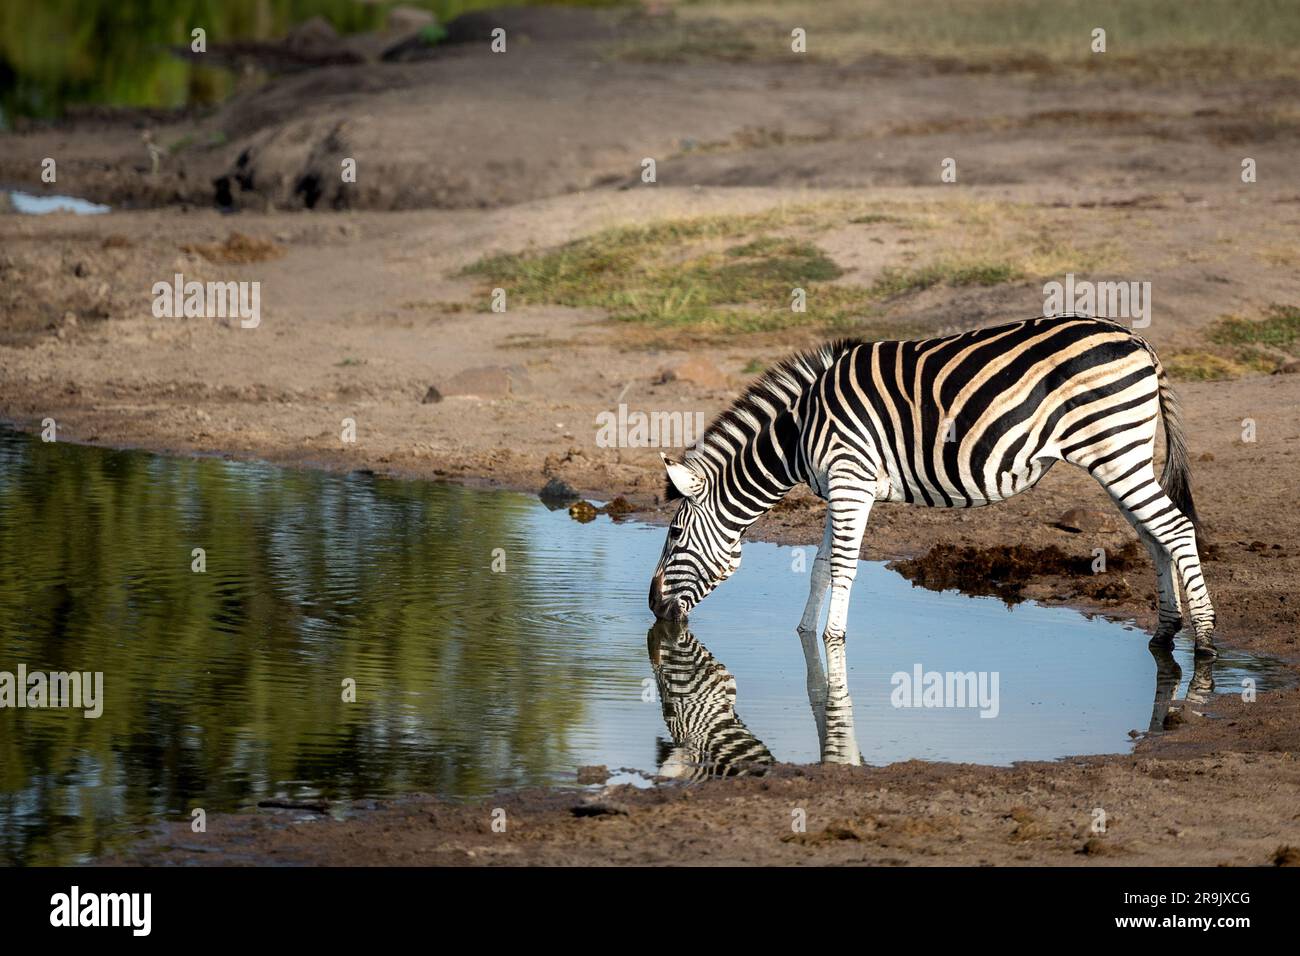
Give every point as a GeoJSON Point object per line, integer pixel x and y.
{"type": "Point", "coordinates": [57, 53]}
{"type": "Point", "coordinates": [60, 53]}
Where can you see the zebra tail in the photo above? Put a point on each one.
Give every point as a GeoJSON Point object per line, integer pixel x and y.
{"type": "Point", "coordinates": [1175, 480]}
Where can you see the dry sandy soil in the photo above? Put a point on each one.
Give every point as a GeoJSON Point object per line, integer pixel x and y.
{"type": "Point", "coordinates": [363, 309]}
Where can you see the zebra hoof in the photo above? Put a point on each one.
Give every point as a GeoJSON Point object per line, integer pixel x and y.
{"type": "Point", "coordinates": [1162, 642]}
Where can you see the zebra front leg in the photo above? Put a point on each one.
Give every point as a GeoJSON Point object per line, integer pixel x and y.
{"type": "Point", "coordinates": [851, 497]}
{"type": "Point", "coordinates": [812, 653]}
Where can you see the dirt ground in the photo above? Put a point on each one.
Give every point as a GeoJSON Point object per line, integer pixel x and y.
{"type": "Point", "coordinates": [364, 308]}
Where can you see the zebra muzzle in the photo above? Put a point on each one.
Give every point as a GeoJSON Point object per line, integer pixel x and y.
{"type": "Point", "coordinates": [666, 609]}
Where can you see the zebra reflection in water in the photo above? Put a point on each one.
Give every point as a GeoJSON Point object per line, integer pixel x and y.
{"type": "Point", "coordinates": [698, 695]}
{"type": "Point", "coordinates": [1168, 674]}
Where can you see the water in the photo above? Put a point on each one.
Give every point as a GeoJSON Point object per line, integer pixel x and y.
{"type": "Point", "coordinates": [28, 204]}
{"type": "Point", "coordinates": [225, 687]}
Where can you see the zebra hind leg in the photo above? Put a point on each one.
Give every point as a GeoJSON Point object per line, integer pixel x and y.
{"type": "Point", "coordinates": [1171, 608]}
{"type": "Point", "coordinates": [1172, 539]}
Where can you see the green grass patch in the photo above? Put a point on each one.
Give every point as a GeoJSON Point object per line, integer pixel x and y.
{"type": "Point", "coordinates": [683, 273]}
{"type": "Point", "coordinates": [1244, 346]}
{"type": "Point", "coordinates": [1145, 38]}
{"type": "Point", "coordinates": [1278, 329]}
{"type": "Point", "coordinates": [1203, 367]}
{"type": "Point", "coordinates": [895, 282]}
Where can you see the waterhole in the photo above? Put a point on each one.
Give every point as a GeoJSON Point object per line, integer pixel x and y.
{"type": "Point", "coordinates": [282, 634]}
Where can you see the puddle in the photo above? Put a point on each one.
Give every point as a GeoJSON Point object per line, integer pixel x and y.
{"type": "Point", "coordinates": [28, 204]}
{"type": "Point", "coordinates": [225, 688]}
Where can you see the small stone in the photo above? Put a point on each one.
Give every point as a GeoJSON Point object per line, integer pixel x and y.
{"type": "Point", "coordinates": [81, 270]}
{"type": "Point", "coordinates": [1206, 456]}
{"type": "Point", "coordinates": [432, 396]}
{"type": "Point", "coordinates": [314, 33]}
{"type": "Point", "coordinates": [619, 507]}
{"type": "Point", "coordinates": [696, 371]}
{"type": "Point", "coordinates": [557, 493]}
{"type": "Point", "coordinates": [1089, 520]}
{"type": "Point", "coordinates": [582, 511]}
{"type": "Point", "coordinates": [596, 774]}
{"type": "Point", "coordinates": [489, 381]}
{"type": "Point", "coordinates": [1286, 855]}
{"type": "Point", "coordinates": [599, 808]}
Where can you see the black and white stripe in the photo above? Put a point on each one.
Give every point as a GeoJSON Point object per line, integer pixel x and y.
{"type": "Point", "coordinates": [955, 422]}
{"type": "Point", "coordinates": [698, 695]}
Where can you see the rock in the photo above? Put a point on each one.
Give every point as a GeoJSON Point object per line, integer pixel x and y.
{"type": "Point", "coordinates": [596, 774]}
{"type": "Point", "coordinates": [1206, 456]}
{"type": "Point", "coordinates": [1089, 520]}
{"type": "Point", "coordinates": [488, 381]}
{"type": "Point", "coordinates": [431, 397]}
{"type": "Point", "coordinates": [619, 507]}
{"type": "Point", "coordinates": [582, 511]}
{"type": "Point", "coordinates": [406, 19]}
{"type": "Point", "coordinates": [696, 371]}
{"type": "Point", "coordinates": [599, 808]}
{"type": "Point", "coordinates": [314, 33]}
{"type": "Point", "coordinates": [1286, 855]}
{"type": "Point", "coordinates": [557, 493]}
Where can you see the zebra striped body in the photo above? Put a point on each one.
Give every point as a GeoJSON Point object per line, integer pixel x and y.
{"type": "Point", "coordinates": [698, 695]}
{"type": "Point", "coordinates": [959, 421]}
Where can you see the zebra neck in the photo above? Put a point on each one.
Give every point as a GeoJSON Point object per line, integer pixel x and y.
{"type": "Point", "coordinates": [766, 468]}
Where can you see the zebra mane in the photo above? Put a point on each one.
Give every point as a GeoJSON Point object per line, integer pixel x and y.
{"type": "Point", "coordinates": [764, 399]}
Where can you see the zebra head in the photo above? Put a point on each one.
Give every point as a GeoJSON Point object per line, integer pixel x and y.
{"type": "Point", "coordinates": [702, 549]}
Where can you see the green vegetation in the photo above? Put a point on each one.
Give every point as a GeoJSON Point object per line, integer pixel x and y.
{"type": "Point", "coordinates": [694, 273]}
{"type": "Point", "coordinates": [1153, 37]}
{"type": "Point", "coordinates": [1193, 366]}
{"type": "Point", "coordinates": [1278, 329]}
{"type": "Point", "coordinates": [894, 282]}
{"type": "Point", "coordinates": [679, 273]}
{"type": "Point", "coordinates": [1245, 346]}
{"type": "Point", "coordinates": [685, 273]}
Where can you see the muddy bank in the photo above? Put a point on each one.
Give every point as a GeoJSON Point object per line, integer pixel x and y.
{"type": "Point", "coordinates": [1227, 809]}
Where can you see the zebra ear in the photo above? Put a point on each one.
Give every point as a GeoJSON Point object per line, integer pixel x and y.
{"type": "Point", "coordinates": [683, 478]}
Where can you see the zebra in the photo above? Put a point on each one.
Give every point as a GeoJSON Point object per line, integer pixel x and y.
{"type": "Point", "coordinates": [698, 695]}
{"type": "Point", "coordinates": [957, 421]}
